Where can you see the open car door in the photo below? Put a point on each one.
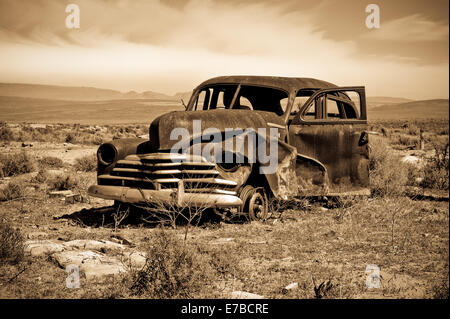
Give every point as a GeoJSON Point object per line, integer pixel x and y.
{"type": "Point", "coordinates": [329, 132]}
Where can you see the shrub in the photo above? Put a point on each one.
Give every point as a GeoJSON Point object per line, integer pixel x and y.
{"type": "Point", "coordinates": [70, 138]}
{"type": "Point", "coordinates": [12, 190]}
{"type": "Point", "coordinates": [62, 182]}
{"type": "Point", "coordinates": [41, 177]}
{"type": "Point", "coordinates": [406, 140]}
{"type": "Point", "coordinates": [388, 174]}
{"type": "Point", "coordinates": [436, 171]}
{"type": "Point", "coordinates": [15, 164]}
{"type": "Point", "coordinates": [11, 244]}
{"type": "Point", "coordinates": [6, 134]}
{"type": "Point", "coordinates": [171, 270]}
{"type": "Point", "coordinates": [86, 163]}
{"type": "Point", "coordinates": [51, 162]}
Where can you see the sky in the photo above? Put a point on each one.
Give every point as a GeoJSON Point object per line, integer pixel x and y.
{"type": "Point", "coordinates": [171, 46]}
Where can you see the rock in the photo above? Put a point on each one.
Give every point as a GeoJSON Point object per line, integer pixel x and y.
{"type": "Point", "coordinates": [120, 240]}
{"type": "Point", "coordinates": [221, 241]}
{"type": "Point", "coordinates": [37, 235]}
{"type": "Point", "coordinates": [93, 265]}
{"type": "Point", "coordinates": [411, 159]}
{"type": "Point", "coordinates": [245, 295]}
{"type": "Point", "coordinates": [290, 287]}
{"type": "Point", "coordinates": [99, 272]}
{"type": "Point", "coordinates": [323, 209]}
{"type": "Point", "coordinates": [258, 242]}
{"type": "Point", "coordinates": [71, 257]}
{"type": "Point", "coordinates": [42, 247]}
{"type": "Point", "coordinates": [134, 259]}
{"type": "Point", "coordinates": [60, 193]}
{"type": "Point", "coordinates": [330, 234]}
{"type": "Point", "coordinates": [72, 198]}
{"type": "Point", "coordinates": [103, 245]}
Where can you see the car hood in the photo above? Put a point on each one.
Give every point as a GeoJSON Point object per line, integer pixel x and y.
{"type": "Point", "coordinates": [162, 127]}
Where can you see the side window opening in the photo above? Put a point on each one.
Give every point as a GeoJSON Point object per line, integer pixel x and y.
{"type": "Point", "coordinates": [334, 106]}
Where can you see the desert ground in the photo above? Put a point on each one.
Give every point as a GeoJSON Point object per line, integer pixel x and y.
{"type": "Point", "coordinates": [313, 248]}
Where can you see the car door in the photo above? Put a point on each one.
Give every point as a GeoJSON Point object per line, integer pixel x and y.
{"type": "Point", "coordinates": [329, 133]}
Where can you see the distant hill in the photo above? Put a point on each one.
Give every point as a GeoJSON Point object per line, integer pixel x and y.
{"type": "Point", "coordinates": [374, 101]}
{"type": "Point", "coordinates": [24, 109]}
{"type": "Point", "coordinates": [65, 104]}
{"type": "Point", "coordinates": [424, 109]}
{"type": "Point", "coordinates": [72, 93]}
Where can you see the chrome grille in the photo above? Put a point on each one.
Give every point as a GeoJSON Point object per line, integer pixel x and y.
{"type": "Point", "coordinates": [164, 171]}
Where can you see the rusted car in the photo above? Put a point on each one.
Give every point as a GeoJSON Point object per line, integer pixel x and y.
{"type": "Point", "coordinates": [321, 147]}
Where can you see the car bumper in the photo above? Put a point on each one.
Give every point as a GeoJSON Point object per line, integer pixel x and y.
{"type": "Point", "coordinates": [170, 196]}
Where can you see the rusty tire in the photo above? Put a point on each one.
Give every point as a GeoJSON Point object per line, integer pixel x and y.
{"type": "Point", "coordinates": [256, 206]}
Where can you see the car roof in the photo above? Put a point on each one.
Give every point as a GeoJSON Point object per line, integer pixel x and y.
{"type": "Point", "coordinates": [286, 83]}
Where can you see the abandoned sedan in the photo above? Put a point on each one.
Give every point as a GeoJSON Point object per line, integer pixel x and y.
{"type": "Point", "coordinates": [242, 141]}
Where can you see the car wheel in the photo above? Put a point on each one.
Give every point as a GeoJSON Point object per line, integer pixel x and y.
{"type": "Point", "coordinates": [255, 201]}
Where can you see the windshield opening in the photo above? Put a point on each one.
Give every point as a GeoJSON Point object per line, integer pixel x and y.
{"type": "Point", "coordinates": [249, 98]}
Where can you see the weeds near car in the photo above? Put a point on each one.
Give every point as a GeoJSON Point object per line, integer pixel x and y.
{"type": "Point", "coordinates": [62, 182]}
{"type": "Point", "coordinates": [86, 163]}
{"type": "Point", "coordinates": [51, 162]}
{"type": "Point", "coordinates": [171, 270]}
{"type": "Point", "coordinates": [171, 212]}
{"type": "Point", "coordinates": [11, 244]}
{"type": "Point", "coordinates": [388, 174]}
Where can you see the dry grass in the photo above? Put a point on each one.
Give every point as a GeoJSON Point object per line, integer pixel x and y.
{"type": "Point", "coordinates": [86, 163]}
{"type": "Point", "coordinates": [16, 164]}
{"type": "Point", "coordinates": [13, 190]}
{"type": "Point", "coordinates": [325, 251]}
{"type": "Point", "coordinates": [388, 174]}
{"type": "Point", "coordinates": [50, 162]}
{"type": "Point", "coordinates": [172, 270]}
{"type": "Point", "coordinates": [11, 244]}
{"type": "Point", "coordinates": [436, 171]}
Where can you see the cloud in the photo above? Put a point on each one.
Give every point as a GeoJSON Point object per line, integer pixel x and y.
{"type": "Point", "coordinates": [413, 28]}
{"type": "Point", "coordinates": [168, 47]}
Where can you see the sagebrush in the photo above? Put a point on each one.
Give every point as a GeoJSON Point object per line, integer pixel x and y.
{"type": "Point", "coordinates": [11, 244]}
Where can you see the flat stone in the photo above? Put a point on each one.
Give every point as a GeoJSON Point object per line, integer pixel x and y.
{"type": "Point", "coordinates": [93, 265]}
{"type": "Point", "coordinates": [37, 235]}
{"type": "Point", "coordinates": [42, 247]}
{"type": "Point", "coordinates": [291, 286]}
{"type": "Point", "coordinates": [94, 245]}
{"type": "Point", "coordinates": [76, 257]}
{"type": "Point", "coordinates": [221, 241]}
{"type": "Point", "coordinates": [60, 193]}
{"type": "Point", "coordinates": [73, 198]}
{"type": "Point", "coordinates": [245, 295]}
{"type": "Point", "coordinates": [96, 272]}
